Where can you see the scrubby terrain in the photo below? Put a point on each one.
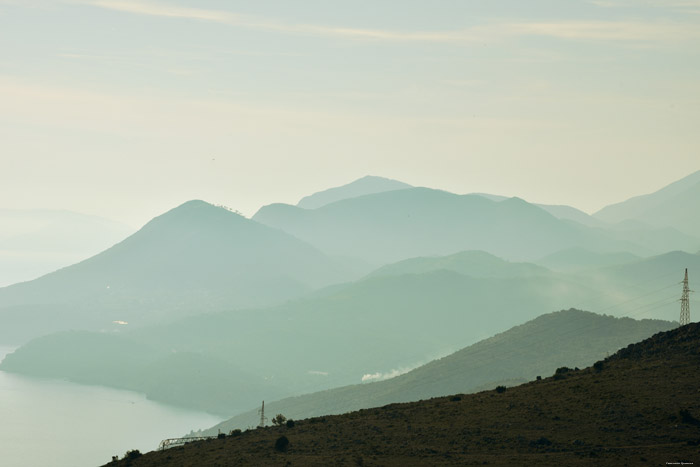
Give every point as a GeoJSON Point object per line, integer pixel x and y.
{"type": "Point", "coordinates": [640, 406]}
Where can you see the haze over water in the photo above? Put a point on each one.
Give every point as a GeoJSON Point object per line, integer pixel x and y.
{"type": "Point", "coordinates": [56, 423]}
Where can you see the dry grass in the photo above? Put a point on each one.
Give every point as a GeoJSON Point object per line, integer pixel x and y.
{"type": "Point", "coordinates": [640, 409]}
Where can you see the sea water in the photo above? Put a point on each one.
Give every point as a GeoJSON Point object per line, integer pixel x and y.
{"type": "Point", "coordinates": [48, 422]}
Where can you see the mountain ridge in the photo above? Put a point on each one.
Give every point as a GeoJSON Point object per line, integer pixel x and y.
{"type": "Point", "coordinates": [366, 185]}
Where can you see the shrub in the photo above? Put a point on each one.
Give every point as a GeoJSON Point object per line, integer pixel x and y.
{"type": "Point", "coordinates": [221, 436]}
{"type": "Point", "coordinates": [279, 419]}
{"type": "Point", "coordinates": [687, 417]}
{"type": "Point", "coordinates": [281, 444]}
{"type": "Point", "coordinates": [598, 366]}
{"type": "Point", "coordinates": [456, 398]}
{"type": "Point", "coordinates": [236, 432]}
{"type": "Point", "coordinates": [290, 423]}
{"type": "Point", "coordinates": [542, 441]}
{"type": "Point", "coordinates": [539, 378]}
{"type": "Point", "coordinates": [500, 389]}
{"type": "Point", "coordinates": [133, 454]}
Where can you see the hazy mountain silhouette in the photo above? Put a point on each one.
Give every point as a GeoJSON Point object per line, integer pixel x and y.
{"type": "Point", "coordinates": [576, 259]}
{"type": "Point", "coordinates": [364, 186]}
{"type": "Point", "coordinates": [37, 242]}
{"type": "Point", "coordinates": [538, 347]}
{"type": "Point", "coordinates": [194, 258]}
{"type": "Point", "coordinates": [392, 320]}
{"type": "Point", "coordinates": [673, 205]}
{"type": "Point", "coordinates": [391, 226]}
{"type": "Point", "coordinates": [560, 211]}
{"type": "Point", "coordinates": [668, 267]}
{"type": "Point", "coordinates": [471, 263]}
{"type": "Point", "coordinates": [389, 322]}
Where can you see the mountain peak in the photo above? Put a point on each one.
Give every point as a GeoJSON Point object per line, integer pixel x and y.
{"type": "Point", "coordinates": [367, 185]}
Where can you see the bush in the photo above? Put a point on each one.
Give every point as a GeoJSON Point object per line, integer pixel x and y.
{"type": "Point", "coordinates": [221, 436]}
{"type": "Point", "coordinates": [290, 423]}
{"type": "Point", "coordinates": [501, 389]}
{"type": "Point", "coordinates": [456, 398]}
{"type": "Point", "coordinates": [281, 444]}
{"type": "Point", "coordinates": [687, 417]}
{"type": "Point", "coordinates": [542, 441]}
{"type": "Point", "coordinates": [598, 366]}
{"type": "Point", "coordinates": [236, 432]}
{"type": "Point", "coordinates": [133, 454]}
{"type": "Point", "coordinates": [279, 419]}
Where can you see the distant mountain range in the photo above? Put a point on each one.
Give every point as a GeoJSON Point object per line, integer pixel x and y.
{"type": "Point", "coordinates": [364, 186]}
{"type": "Point", "coordinates": [377, 280]}
{"type": "Point", "coordinates": [194, 258]}
{"type": "Point", "coordinates": [538, 347]}
{"type": "Point", "coordinates": [674, 206]}
{"type": "Point", "coordinates": [395, 225]}
{"type": "Point", "coordinates": [394, 319]}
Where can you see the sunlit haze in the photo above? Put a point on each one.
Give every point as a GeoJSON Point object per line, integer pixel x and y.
{"type": "Point", "coordinates": [125, 109]}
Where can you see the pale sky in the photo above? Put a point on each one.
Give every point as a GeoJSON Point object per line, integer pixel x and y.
{"type": "Point", "coordinates": [127, 108]}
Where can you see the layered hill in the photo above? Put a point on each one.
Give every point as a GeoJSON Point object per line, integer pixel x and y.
{"type": "Point", "coordinates": [638, 407]}
{"type": "Point", "coordinates": [470, 263]}
{"type": "Point", "coordinates": [395, 320]}
{"type": "Point", "coordinates": [395, 225]}
{"type": "Point", "coordinates": [670, 206]}
{"type": "Point", "coordinates": [560, 211]}
{"type": "Point", "coordinates": [363, 186]}
{"type": "Point", "coordinates": [194, 258]}
{"type": "Point", "coordinates": [538, 347]}
{"type": "Point", "coordinates": [578, 259]}
{"type": "Point", "coordinates": [391, 323]}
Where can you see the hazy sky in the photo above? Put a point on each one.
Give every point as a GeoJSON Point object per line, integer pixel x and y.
{"type": "Point", "coordinates": [127, 108]}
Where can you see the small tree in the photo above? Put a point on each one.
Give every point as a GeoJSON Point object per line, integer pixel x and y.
{"type": "Point", "coordinates": [279, 420]}
{"type": "Point", "coordinates": [282, 444]}
{"type": "Point", "coordinates": [133, 454]}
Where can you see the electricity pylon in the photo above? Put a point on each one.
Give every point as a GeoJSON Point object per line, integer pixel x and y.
{"type": "Point", "coordinates": [685, 301]}
{"type": "Point", "coordinates": [263, 419]}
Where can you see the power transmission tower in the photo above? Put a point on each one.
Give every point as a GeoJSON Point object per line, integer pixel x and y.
{"type": "Point", "coordinates": [685, 301]}
{"type": "Point", "coordinates": [263, 419]}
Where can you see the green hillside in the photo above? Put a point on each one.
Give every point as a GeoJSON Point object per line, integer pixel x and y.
{"type": "Point", "coordinates": [538, 347]}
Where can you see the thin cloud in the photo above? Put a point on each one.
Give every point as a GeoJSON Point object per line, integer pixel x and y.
{"type": "Point", "coordinates": [567, 30]}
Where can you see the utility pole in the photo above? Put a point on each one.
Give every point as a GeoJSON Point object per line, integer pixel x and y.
{"type": "Point", "coordinates": [263, 419]}
{"type": "Point", "coordinates": [685, 301]}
